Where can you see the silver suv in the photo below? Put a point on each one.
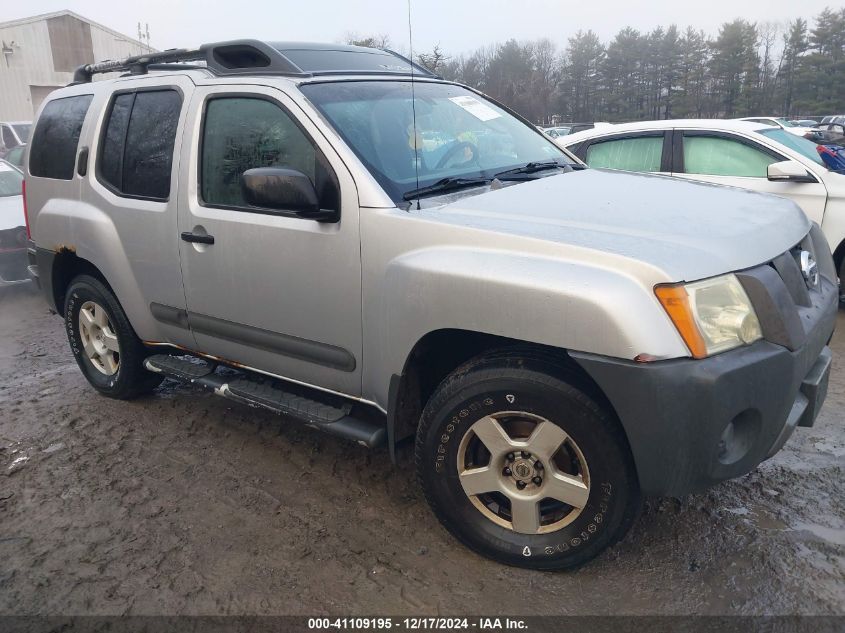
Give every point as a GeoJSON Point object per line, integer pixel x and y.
{"type": "Point", "coordinates": [337, 235]}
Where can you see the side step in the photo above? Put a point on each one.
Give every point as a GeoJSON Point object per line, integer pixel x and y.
{"type": "Point", "coordinates": [331, 414]}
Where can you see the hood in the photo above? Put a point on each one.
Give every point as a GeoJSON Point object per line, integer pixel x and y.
{"type": "Point", "coordinates": [686, 229]}
{"type": "Point", "coordinates": [11, 212]}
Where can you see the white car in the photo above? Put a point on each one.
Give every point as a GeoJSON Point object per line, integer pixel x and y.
{"type": "Point", "coordinates": [739, 153]}
{"type": "Point", "coordinates": [809, 132]}
{"type": "Point", "coordinates": [13, 258]}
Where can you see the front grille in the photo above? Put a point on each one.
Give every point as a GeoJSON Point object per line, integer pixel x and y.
{"type": "Point", "coordinates": [787, 267]}
{"type": "Point", "coordinates": [791, 302]}
{"type": "Point", "coordinates": [803, 267]}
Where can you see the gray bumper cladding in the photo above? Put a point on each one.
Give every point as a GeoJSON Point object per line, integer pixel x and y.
{"type": "Point", "coordinates": [692, 423]}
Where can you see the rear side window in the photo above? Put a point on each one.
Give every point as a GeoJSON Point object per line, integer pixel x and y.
{"type": "Point", "coordinates": [631, 154]}
{"type": "Point", "coordinates": [53, 152]}
{"type": "Point", "coordinates": [136, 153]}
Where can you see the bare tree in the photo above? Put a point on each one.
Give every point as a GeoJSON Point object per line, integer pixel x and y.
{"type": "Point", "coordinates": [380, 40]}
{"type": "Point", "coordinates": [435, 60]}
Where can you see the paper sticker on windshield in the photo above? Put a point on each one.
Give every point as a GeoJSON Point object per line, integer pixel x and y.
{"type": "Point", "coordinates": [477, 109]}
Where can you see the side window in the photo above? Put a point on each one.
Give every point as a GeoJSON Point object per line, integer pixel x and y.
{"type": "Point", "coordinates": [9, 139]}
{"type": "Point", "coordinates": [718, 156]}
{"type": "Point", "coordinates": [53, 152]}
{"type": "Point", "coordinates": [241, 133]}
{"type": "Point", "coordinates": [15, 156]}
{"type": "Point", "coordinates": [136, 155]}
{"type": "Point", "coordinates": [631, 154]}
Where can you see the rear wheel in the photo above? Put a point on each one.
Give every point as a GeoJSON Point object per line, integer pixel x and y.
{"type": "Point", "coordinates": [103, 342]}
{"type": "Point", "coordinates": [523, 465]}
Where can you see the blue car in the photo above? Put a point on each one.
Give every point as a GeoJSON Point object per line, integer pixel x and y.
{"type": "Point", "coordinates": [833, 156]}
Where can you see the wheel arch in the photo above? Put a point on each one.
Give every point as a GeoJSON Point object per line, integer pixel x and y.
{"type": "Point", "coordinates": [440, 352]}
{"type": "Point", "coordinates": [66, 265]}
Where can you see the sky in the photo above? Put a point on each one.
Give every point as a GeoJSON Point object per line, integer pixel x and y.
{"type": "Point", "coordinates": [458, 26]}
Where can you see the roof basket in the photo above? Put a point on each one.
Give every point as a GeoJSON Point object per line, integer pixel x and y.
{"type": "Point", "coordinates": [250, 57]}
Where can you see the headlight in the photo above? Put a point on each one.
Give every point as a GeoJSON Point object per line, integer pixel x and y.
{"type": "Point", "coordinates": [711, 316]}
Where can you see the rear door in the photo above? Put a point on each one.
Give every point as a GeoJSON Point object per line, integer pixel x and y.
{"type": "Point", "coordinates": [728, 159]}
{"type": "Point", "coordinates": [274, 291]}
{"type": "Point", "coordinates": [132, 174]}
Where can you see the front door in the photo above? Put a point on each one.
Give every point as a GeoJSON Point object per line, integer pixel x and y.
{"type": "Point", "coordinates": [274, 291]}
{"type": "Point", "coordinates": [726, 159]}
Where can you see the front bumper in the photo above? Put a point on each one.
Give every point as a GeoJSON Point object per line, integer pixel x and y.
{"type": "Point", "coordinates": [692, 423]}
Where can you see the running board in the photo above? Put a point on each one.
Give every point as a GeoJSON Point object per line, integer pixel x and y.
{"type": "Point", "coordinates": [331, 414]}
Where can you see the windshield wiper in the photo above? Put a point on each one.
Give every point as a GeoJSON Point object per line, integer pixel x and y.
{"type": "Point", "coordinates": [445, 185]}
{"type": "Point", "coordinates": [534, 167]}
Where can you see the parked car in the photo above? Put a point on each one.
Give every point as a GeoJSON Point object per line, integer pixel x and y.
{"type": "Point", "coordinates": [15, 156]}
{"type": "Point", "coordinates": [809, 132]}
{"type": "Point", "coordinates": [832, 133]}
{"type": "Point", "coordinates": [739, 153]}
{"type": "Point", "coordinates": [833, 118]}
{"type": "Point", "coordinates": [13, 134]}
{"type": "Point", "coordinates": [555, 132]}
{"type": "Point", "coordinates": [580, 127]}
{"type": "Point", "coordinates": [13, 240]}
{"type": "Point", "coordinates": [557, 340]}
{"type": "Point", "coordinates": [833, 157]}
{"type": "Point", "coordinates": [808, 123]}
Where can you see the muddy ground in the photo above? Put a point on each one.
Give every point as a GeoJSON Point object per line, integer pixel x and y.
{"type": "Point", "coordinates": [185, 503]}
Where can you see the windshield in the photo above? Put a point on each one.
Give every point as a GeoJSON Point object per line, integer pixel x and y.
{"type": "Point", "coordinates": [459, 134]}
{"type": "Point", "coordinates": [10, 181]}
{"type": "Point", "coordinates": [796, 143]}
{"type": "Point", "coordinates": [22, 130]}
{"type": "Point", "coordinates": [786, 123]}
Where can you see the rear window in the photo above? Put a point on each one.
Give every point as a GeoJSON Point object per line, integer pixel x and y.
{"type": "Point", "coordinates": [56, 137]}
{"type": "Point", "coordinates": [136, 153]}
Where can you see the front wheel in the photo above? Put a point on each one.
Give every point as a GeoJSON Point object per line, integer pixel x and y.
{"type": "Point", "coordinates": [522, 465]}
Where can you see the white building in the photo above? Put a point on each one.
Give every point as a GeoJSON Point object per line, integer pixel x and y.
{"type": "Point", "coordinates": [39, 54]}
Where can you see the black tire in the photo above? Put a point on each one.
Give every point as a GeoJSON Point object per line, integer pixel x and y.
{"type": "Point", "coordinates": [537, 387]}
{"type": "Point", "coordinates": [131, 378]}
{"type": "Point", "coordinates": [842, 280]}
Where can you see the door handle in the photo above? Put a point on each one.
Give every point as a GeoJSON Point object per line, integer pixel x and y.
{"type": "Point", "coordinates": [82, 162]}
{"type": "Point", "coordinates": [187, 236]}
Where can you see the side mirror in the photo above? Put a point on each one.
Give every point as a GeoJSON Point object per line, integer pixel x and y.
{"type": "Point", "coordinates": [789, 171]}
{"type": "Point", "coordinates": [286, 190]}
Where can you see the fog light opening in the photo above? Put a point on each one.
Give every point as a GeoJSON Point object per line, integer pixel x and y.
{"type": "Point", "coordinates": [738, 437]}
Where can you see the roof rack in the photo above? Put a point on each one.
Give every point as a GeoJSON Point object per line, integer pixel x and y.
{"type": "Point", "coordinates": [253, 57]}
